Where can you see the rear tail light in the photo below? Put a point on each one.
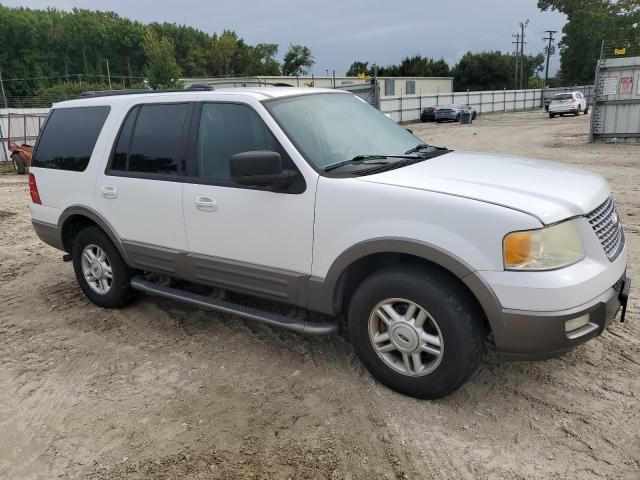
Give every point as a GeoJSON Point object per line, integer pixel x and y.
{"type": "Point", "coordinates": [33, 190]}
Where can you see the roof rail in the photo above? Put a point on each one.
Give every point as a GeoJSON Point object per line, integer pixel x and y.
{"type": "Point", "coordinates": [245, 83]}
{"type": "Point", "coordinates": [198, 87]}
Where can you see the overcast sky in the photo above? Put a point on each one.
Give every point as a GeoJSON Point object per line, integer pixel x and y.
{"type": "Point", "coordinates": [341, 31]}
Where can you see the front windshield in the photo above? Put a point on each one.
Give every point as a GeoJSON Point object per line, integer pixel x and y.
{"type": "Point", "coordinates": [331, 128]}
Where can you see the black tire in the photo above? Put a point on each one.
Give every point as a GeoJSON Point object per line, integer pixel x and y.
{"type": "Point", "coordinates": [579, 111]}
{"type": "Point", "coordinates": [475, 115]}
{"type": "Point", "coordinates": [458, 118]}
{"type": "Point", "coordinates": [552, 115]}
{"type": "Point", "coordinates": [457, 317]}
{"type": "Point", "coordinates": [18, 164]}
{"type": "Point", "coordinates": [586, 110]}
{"type": "Point", "coordinates": [120, 292]}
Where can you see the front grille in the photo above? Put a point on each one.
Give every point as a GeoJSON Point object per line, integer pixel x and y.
{"type": "Point", "coordinates": [606, 224]}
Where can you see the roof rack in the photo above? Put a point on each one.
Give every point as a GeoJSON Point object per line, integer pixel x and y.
{"type": "Point", "coordinates": [244, 83]}
{"type": "Point", "coordinates": [197, 87]}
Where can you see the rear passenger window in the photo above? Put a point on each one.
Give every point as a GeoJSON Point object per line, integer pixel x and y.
{"type": "Point", "coordinates": [69, 137]}
{"type": "Point", "coordinates": [150, 139]}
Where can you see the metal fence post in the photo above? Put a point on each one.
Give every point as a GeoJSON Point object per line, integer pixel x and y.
{"type": "Point", "coordinates": [504, 99]}
{"type": "Point", "coordinates": [401, 107]}
{"type": "Point", "coordinates": [493, 101]}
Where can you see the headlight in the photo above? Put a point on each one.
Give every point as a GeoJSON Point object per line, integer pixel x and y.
{"type": "Point", "coordinates": [548, 248]}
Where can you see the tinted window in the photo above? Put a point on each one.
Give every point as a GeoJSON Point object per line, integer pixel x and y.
{"type": "Point", "coordinates": [124, 142]}
{"type": "Point", "coordinates": [563, 96]}
{"type": "Point", "coordinates": [227, 129]}
{"type": "Point", "coordinates": [69, 137]}
{"type": "Point", "coordinates": [156, 143]}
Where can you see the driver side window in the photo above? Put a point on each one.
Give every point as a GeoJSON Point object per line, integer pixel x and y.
{"type": "Point", "coordinates": [227, 129]}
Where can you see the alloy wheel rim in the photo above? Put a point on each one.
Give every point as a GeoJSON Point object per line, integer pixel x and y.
{"type": "Point", "coordinates": [406, 337]}
{"type": "Point", "coordinates": [96, 268]}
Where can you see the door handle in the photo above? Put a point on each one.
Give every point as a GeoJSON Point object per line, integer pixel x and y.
{"type": "Point", "coordinates": [109, 192]}
{"type": "Point", "coordinates": [206, 204]}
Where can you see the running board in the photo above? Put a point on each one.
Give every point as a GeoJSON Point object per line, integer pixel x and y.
{"type": "Point", "coordinates": [273, 319]}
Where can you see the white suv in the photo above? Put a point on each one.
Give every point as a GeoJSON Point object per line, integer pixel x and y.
{"type": "Point", "coordinates": [313, 198]}
{"type": "Point", "coordinates": [568, 103]}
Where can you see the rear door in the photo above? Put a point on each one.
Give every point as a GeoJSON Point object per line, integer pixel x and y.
{"type": "Point", "coordinates": [241, 237]}
{"type": "Point", "coordinates": [140, 193]}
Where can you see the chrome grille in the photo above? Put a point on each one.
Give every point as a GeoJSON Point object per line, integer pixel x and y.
{"type": "Point", "coordinates": [606, 224]}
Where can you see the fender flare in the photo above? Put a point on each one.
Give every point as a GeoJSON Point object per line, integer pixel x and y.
{"type": "Point", "coordinates": [97, 219]}
{"type": "Point", "coordinates": [322, 292]}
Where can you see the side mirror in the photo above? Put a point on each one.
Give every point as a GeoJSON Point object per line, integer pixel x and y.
{"type": "Point", "coordinates": [260, 168]}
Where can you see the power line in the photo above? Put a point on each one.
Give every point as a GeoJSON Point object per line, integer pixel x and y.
{"type": "Point", "coordinates": [549, 53]}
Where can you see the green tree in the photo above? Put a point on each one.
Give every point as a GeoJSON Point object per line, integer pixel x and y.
{"type": "Point", "coordinates": [492, 70]}
{"type": "Point", "coordinates": [359, 67]}
{"type": "Point", "coordinates": [262, 60]}
{"type": "Point", "coordinates": [298, 60]}
{"type": "Point", "coordinates": [589, 22]}
{"type": "Point", "coordinates": [161, 69]}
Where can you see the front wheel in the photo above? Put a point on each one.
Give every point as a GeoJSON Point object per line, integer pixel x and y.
{"type": "Point", "coordinates": [18, 164]}
{"type": "Point", "coordinates": [416, 330]}
{"type": "Point", "coordinates": [100, 270]}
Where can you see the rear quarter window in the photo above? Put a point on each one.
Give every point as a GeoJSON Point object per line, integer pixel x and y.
{"type": "Point", "coordinates": [69, 137]}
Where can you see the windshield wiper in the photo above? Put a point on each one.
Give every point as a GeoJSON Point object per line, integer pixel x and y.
{"type": "Point", "coordinates": [423, 146]}
{"type": "Point", "coordinates": [358, 159]}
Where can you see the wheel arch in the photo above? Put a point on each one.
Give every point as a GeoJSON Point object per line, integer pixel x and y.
{"type": "Point", "coordinates": [330, 295]}
{"type": "Point", "coordinates": [76, 218]}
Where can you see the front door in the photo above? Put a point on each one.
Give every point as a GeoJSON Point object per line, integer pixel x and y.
{"type": "Point", "coordinates": [245, 238]}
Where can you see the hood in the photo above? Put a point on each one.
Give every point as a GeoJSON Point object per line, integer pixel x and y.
{"type": "Point", "coordinates": [547, 190]}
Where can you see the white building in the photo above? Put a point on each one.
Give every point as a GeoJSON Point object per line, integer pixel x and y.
{"type": "Point", "coordinates": [389, 86]}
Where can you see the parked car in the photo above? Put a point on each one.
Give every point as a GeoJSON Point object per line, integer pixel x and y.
{"type": "Point", "coordinates": [453, 113]}
{"type": "Point", "coordinates": [428, 114]}
{"type": "Point", "coordinates": [313, 198]}
{"type": "Point", "coordinates": [563, 103]}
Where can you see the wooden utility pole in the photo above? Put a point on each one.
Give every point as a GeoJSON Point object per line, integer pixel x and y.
{"type": "Point", "coordinates": [549, 53]}
{"type": "Point", "coordinates": [523, 25]}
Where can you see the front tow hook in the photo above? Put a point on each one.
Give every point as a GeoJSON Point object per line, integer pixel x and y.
{"type": "Point", "coordinates": [624, 298]}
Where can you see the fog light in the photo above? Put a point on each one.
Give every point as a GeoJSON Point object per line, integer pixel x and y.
{"type": "Point", "coordinates": [576, 323]}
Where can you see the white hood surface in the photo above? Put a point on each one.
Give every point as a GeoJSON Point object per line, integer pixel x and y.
{"type": "Point", "coordinates": [547, 190]}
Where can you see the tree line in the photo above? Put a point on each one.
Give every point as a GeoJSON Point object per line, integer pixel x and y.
{"type": "Point", "coordinates": [491, 70]}
{"type": "Point", "coordinates": [44, 48]}
{"type": "Point", "coordinates": [589, 22]}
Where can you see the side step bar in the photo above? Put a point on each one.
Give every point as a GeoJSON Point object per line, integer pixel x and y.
{"type": "Point", "coordinates": [273, 319]}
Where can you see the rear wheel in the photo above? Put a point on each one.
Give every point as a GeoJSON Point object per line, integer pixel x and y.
{"type": "Point", "coordinates": [552, 115]}
{"type": "Point", "coordinates": [100, 270]}
{"type": "Point", "coordinates": [18, 164]}
{"type": "Point", "coordinates": [416, 330]}
{"type": "Point", "coordinates": [579, 110]}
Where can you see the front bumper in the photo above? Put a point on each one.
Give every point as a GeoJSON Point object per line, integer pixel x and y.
{"type": "Point", "coordinates": [541, 335]}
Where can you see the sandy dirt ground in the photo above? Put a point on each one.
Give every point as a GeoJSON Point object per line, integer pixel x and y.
{"type": "Point", "coordinates": [159, 390]}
